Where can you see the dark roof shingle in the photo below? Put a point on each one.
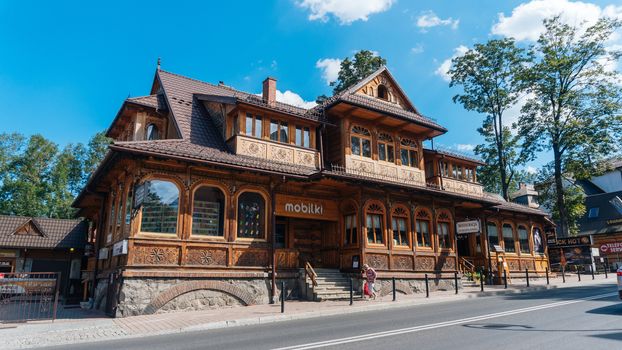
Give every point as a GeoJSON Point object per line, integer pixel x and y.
{"type": "Point", "coordinates": [57, 233]}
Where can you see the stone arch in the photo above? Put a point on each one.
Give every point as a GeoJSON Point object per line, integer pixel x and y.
{"type": "Point", "coordinates": [191, 286]}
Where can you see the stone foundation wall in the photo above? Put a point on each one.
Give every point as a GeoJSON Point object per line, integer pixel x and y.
{"type": "Point", "coordinates": [409, 286]}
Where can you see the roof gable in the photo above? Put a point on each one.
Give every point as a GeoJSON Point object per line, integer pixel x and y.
{"type": "Point", "coordinates": [29, 228]}
{"type": "Point", "coordinates": [394, 93]}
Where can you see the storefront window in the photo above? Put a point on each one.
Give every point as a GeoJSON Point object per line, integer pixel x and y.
{"type": "Point", "coordinates": [375, 224]}
{"type": "Point", "coordinates": [385, 148]}
{"type": "Point", "coordinates": [508, 238]}
{"type": "Point", "coordinates": [493, 235]}
{"type": "Point", "coordinates": [360, 142]}
{"type": "Point", "coordinates": [351, 232]}
{"type": "Point", "coordinates": [208, 212]}
{"type": "Point", "coordinates": [538, 247]}
{"type": "Point", "coordinates": [160, 208]}
{"type": "Point", "coordinates": [251, 215]}
{"type": "Point", "coordinates": [443, 228]}
{"type": "Point", "coordinates": [422, 225]}
{"type": "Point", "coordinates": [523, 239]}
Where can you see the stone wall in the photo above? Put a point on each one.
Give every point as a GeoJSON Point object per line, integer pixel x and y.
{"type": "Point", "coordinates": [410, 286]}
{"type": "Point", "coordinates": [156, 295]}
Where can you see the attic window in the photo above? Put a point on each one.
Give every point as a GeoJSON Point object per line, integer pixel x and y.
{"type": "Point", "coordinates": [593, 213]}
{"type": "Point", "coordinates": [152, 132]}
{"type": "Point", "coordinates": [382, 92]}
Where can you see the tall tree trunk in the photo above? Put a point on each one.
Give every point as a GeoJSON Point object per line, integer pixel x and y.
{"type": "Point", "coordinates": [559, 191]}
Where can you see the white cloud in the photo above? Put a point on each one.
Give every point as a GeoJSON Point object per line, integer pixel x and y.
{"type": "Point", "coordinates": [347, 11]}
{"type": "Point", "coordinates": [429, 19]}
{"type": "Point", "coordinates": [525, 22]}
{"type": "Point", "coordinates": [442, 70]}
{"type": "Point", "coordinates": [530, 169]}
{"type": "Point", "coordinates": [293, 99]}
{"type": "Point", "coordinates": [330, 68]}
{"type": "Point", "coordinates": [512, 114]}
{"type": "Point", "coordinates": [465, 147]}
{"type": "Point", "coordinates": [417, 49]}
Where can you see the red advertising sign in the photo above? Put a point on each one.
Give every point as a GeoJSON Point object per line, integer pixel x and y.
{"type": "Point", "coordinates": [615, 247]}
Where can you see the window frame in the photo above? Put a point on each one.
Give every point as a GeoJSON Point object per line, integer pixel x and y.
{"type": "Point", "coordinates": [488, 235]}
{"type": "Point", "coordinates": [386, 140]}
{"type": "Point", "coordinates": [401, 212]}
{"type": "Point", "coordinates": [151, 127]}
{"type": "Point", "coordinates": [303, 129]}
{"type": "Point", "coordinates": [505, 248]}
{"type": "Point", "coordinates": [281, 125]}
{"type": "Point", "coordinates": [382, 87]}
{"type": "Point", "coordinates": [224, 229]}
{"type": "Point", "coordinates": [180, 205]}
{"type": "Point", "coordinates": [520, 244]}
{"type": "Point", "coordinates": [254, 118]}
{"type": "Point", "coordinates": [444, 216]}
{"type": "Point", "coordinates": [542, 240]}
{"type": "Point", "coordinates": [424, 214]}
{"type": "Point", "coordinates": [362, 134]}
{"type": "Point", "coordinates": [410, 146]}
{"type": "Point", "coordinates": [265, 215]}
{"type": "Point", "coordinates": [373, 209]}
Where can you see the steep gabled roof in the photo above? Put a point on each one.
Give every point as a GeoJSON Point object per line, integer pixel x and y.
{"type": "Point", "coordinates": [55, 233]}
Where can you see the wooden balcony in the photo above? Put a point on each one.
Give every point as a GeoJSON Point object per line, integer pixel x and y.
{"type": "Point", "coordinates": [464, 187]}
{"type": "Point", "coordinates": [384, 170]}
{"type": "Point", "coordinates": [274, 151]}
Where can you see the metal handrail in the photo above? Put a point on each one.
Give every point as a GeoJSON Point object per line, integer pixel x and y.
{"type": "Point", "coordinates": [311, 273]}
{"type": "Point", "coordinates": [467, 265]}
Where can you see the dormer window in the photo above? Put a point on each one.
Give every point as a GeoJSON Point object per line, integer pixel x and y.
{"type": "Point", "coordinates": [360, 142]}
{"type": "Point", "coordinates": [152, 132]}
{"type": "Point", "coordinates": [382, 92]}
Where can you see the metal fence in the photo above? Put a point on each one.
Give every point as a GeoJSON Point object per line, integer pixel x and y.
{"type": "Point", "coordinates": [28, 296]}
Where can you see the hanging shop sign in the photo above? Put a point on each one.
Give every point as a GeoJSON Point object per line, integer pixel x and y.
{"type": "Point", "coordinates": [140, 192]}
{"type": "Point", "coordinates": [103, 254]}
{"type": "Point", "coordinates": [571, 242]}
{"type": "Point", "coordinates": [307, 208]}
{"type": "Point", "coordinates": [612, 247]}
{"type": "Point", "coordinates": [463, 227]}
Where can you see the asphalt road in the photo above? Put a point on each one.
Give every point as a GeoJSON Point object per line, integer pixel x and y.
{"type": "Point", "coordinates": [586, 317]}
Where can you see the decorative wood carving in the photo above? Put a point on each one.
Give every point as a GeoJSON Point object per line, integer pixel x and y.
{"type": "Point", "coordinates": [401, 262]}
{"type": "Point", "coordinates": [286, 258]}
{"type": "Point", "coordinates": [400, 211]}
{"type": "Point", "coordinates": [513, 265]}
{"type": "Point", "coordinates": [206, 257]}
{"type": "Point", "coordinates": [378, 261]}
{"type": "Point", "coordinates": [449, 264]}
{"type": "Point", "coordinates": [149, 255]}
{"type": "Point", "coordinates": [425, 263]}
{"type": "Point", "coordinates": [423, 214]}
{"type": "Point", "coordinates": [250, 258]}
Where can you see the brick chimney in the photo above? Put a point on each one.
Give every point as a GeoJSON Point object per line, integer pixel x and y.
{"type": "Point", "coordinates": [269, 90]}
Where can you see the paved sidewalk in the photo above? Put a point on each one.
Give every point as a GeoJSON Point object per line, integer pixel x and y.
{"type": "Point", "coordinates": [67, 331]}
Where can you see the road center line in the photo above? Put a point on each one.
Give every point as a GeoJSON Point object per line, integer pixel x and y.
{"type": "Point", "coordinates": [439, 324]}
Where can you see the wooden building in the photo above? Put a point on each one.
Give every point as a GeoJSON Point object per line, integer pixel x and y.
{"type": "Point", "coordinates": [29, 244]}
{"type": "Point", "coordinates": [210, 193]}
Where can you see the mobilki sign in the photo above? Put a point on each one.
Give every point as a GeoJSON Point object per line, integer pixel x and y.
{"type": "Point", "coordinates": [305, 208]}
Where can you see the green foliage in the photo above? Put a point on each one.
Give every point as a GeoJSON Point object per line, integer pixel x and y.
{"type": "Point", "coordinates": [574, 198]}
{"type": "Point", "coordinates": [38, 180]}
{"type": "Point", "coordinates": [574, 108]}
{"type": "Point", "coordinates": [353, 70]}
{"type": "Point", "coordinates": [487, 74]}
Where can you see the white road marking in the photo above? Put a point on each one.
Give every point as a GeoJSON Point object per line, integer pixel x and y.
{"type": "Point", "coordinates": [439, 325]}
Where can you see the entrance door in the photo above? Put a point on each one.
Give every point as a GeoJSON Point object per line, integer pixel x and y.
{"type": "Point", "coordinates": [464, 247]}
{"type": "Point", "coordinates": [316, 242]}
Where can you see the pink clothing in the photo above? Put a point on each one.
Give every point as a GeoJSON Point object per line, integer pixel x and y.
{"type": "Point", "coordinates": [371, 275]}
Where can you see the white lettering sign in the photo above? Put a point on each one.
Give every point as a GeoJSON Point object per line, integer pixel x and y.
{"type": "Point", "coordinates": [467, 226]}
{"type": "Point", "coordinates": [103, 254]}
{"type": "Point", "coordinates": [119, 248]}
{"type": "Point", "coordinates": [304, 208]}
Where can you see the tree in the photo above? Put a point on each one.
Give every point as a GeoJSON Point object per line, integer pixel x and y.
{"type": "Point", "coordinates": [97, 148]}
{"type": "Point", "coordinates": [575, 106]}
{"type": "Point", "coordinates": [353, 70]}
{"type": "Point", "coordinates": [487, 74]}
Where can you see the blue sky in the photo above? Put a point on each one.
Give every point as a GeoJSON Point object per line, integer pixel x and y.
{"type": "Point", "coordinates": [66, 67]}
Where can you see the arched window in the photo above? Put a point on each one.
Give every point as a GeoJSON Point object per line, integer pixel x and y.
{"type": "Point", "coordinates": [160, 207]}
{"type": "Point", "coordinates": [208, 215]}
{"type": "Point", "coordinates": [423, 222]}
{"type": "Point", "coordinates": [374, 223]}
{"type": "Point", "coordinates": [152, 132]}
{"type": "Point", "coordinates": [409, 153]}
{"type": "Point", "coordinates": [382, 92]}
{"type": "Point", "coordinates": [251, 215]}
{"type": "Point", "coordinates": [493, 234]}
{"type": "Point", "coordinates": [399, 226]}
{"type": "Point", "coordinates": [443, 230]}
{"type": "Point", "coordinates": [385, 148]}
{"type": "Point", "coordinates": [523, 239]}
{"type": "Point", "coordinates": [508, 238]}
{"type": "Point", "coordinates": [538, 245]}
{"type": "Point", "coordinates": [360, 141]}
{"type": "Point", "coordinates": [350, 222]}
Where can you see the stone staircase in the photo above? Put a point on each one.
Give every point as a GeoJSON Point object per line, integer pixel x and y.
{"type": "Point", "coordinates": [331, 285]}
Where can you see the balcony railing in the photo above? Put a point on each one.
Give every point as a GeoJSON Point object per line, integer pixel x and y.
{"type": "Point", "coordinates": [274, 151]}
{"type": "Point", "coordinates": [384, 170]}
